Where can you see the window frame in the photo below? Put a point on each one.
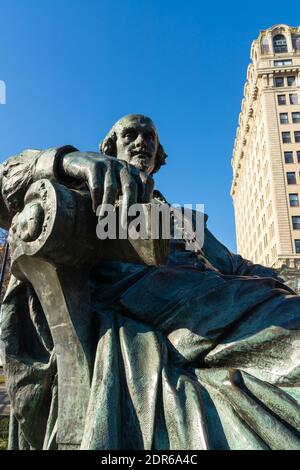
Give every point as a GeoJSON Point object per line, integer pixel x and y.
{"type": "Point", "coordinates": [287, 118]}
{"type": "Point", "coordinates": [288, 154]}
{"type": "Point", "coordinates": [296, 120]}
{"type": "Point", "coordinates": [279, 45]}
{"type": "Point", "coordinates": [286, 137]}
{"type": "Point", "coordinates": [278, 100]}
{"type": "Point", "coordinates": [276, 80]}
{"type": "Point", "coordinates": [282, 62]}
{"type": "Point", "coordinates": [291, 100]}
{"type": "Point", "coordinates": [294, 177]}
{"type": "Point", "coordinates": [297, 136]}
{"type": "Point", "coordinates": [293, 200]}
{"type": "Point", "coordinates": [288, 80]}
{"type": "Point", "coordinates": [296, 225]}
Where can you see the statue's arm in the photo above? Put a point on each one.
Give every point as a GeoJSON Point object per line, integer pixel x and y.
{"type": "Point", "coordinates": [18, 172]}
{"type": "Point", "coordinates": [106, 177]}
{"type": "Point", "coordinates": [229, 263]}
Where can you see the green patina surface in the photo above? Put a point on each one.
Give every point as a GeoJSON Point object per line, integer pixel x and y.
{"type": "Point", "coordinates": [200, 353]}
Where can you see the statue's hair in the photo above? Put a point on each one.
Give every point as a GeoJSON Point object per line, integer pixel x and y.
{"type": "Point", "coordinates": [109, 147]}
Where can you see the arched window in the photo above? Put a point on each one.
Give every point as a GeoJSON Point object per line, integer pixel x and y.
{"type": "Point", "coordinates": [279, 43]}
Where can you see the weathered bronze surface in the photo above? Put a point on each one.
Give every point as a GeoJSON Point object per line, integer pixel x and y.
{"type": "Point", "coordinates": [136, 344]}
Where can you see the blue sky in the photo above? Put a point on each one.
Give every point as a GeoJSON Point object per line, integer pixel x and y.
{"type": "Point", "coordinates": [74, 67]}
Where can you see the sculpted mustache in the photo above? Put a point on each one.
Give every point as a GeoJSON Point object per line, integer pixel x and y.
{"type": "Point", "coordinates": [135, 153]}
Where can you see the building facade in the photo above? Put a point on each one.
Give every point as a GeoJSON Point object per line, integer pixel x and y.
{"type": "Point", "coordinates": [266, 156]}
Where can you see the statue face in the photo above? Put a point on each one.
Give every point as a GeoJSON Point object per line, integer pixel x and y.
{"type": "Point", "coordinates": [137, 142]}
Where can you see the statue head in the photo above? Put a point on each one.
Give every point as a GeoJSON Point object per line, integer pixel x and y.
{"type": "Point", "coordinates": [134, 138]}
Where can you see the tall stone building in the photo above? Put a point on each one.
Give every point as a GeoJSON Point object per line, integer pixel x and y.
{"type": "Point", "coordinates": [266, 156]}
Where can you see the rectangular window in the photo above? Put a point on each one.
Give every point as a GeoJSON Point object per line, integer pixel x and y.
{"type": "Point", "coordinates": [296, 117]}
{"type": "Point", "coordinates": [297, 246]}
{"type": "Point", "coordinates": [296, 222]}
{"type": "Point", "coordinates": [293, 98]}
{"type": "Point", "coordinates": [291, 177]}
{"type": "Point", "coordinates": [288, 157]}
{"type": "Point", "coordinates": [286, 137]}
{"type": "Point", "coordinates": [279, 81]}
{"type": "Point", "coordinates": [298, 156]}
{"type": "Point", "coordinates": [282, 63]}
{"type": "Point", "coordinates": [294, 200]}
{"type": "Point", "coordinates": [281, 99]}
{"type": "Point", "coordinates": [291, 81]}
{"type": "Point", "coordinates": [296, 42]}
{"type": "Point", "coordinates": [297, 136]}
{"type": "Point", "coordinates": [284, 118]}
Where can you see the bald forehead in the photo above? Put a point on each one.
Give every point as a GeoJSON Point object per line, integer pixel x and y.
{"type": "Point", "coordinates": [134, 122]}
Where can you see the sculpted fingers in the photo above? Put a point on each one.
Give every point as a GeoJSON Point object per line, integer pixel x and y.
{"type": "Point", "coordinates": [145, 185]}
{"type": "Point", "coordinates": [129, 192]}
{"type": "Point", "coordinates": [111, 189]}
{"type": "Point", "coordinates": [94, 179]}
{"type": "Point", "coordinates": [139, 183]}
{"type": "Point", "coordinates": [148, 186]}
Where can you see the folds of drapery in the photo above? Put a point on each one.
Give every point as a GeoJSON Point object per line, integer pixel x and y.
{"type": "Point", "coordinates": [142, 399]}
{"type": "Point", "coordinates": [30, 367]}
{"type": "Point", "coordinates": [201, 362]}
{"type": "Point", "coordinates": [193, 331]}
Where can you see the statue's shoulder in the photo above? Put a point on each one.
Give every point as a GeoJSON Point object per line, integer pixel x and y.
{"type": "Point", "coordinates": [29, 152]}
{"type": "Point", "coordinates": [24, 154]}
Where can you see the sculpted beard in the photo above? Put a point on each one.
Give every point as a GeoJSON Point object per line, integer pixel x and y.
{"type": "Point", "coordinates": [140, 159]}
{"type": "Point", "coordinates": [140, 162]}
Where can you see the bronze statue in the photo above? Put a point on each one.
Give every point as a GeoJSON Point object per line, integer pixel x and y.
{"type": "Point", "coordinates": [120, 347]}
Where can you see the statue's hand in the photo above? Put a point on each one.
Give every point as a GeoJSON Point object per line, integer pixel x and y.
{"type": "Point", "coordinates": [108, 178]}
